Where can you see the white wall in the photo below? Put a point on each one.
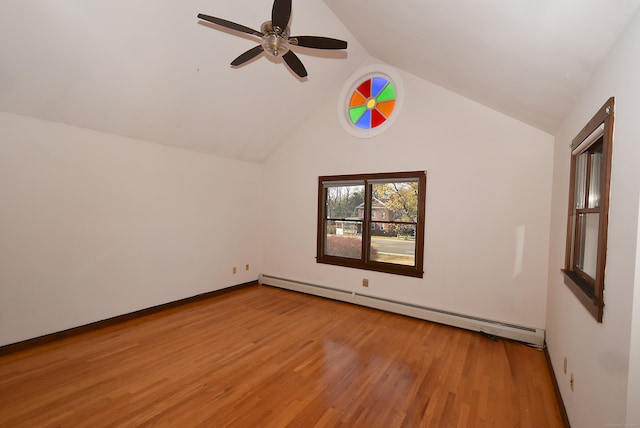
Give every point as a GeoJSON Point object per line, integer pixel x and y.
{"type": "Point", "coordinates": [488, 182]}
{"type": "Point", "coordinates": [94, 225]}
{"type": "Point", "coordinates": [599, 355]}
{"type": "Point", "coordinates": [633, 410]}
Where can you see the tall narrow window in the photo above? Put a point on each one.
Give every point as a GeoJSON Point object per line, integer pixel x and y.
{"type": "Point", "coordinates": [587, 225]}
{"type": "Point", "coordinates": [373, 221]}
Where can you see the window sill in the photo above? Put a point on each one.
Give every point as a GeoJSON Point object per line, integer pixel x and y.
{"type": "Point", "coordinates": [372, 266]}
{"type": "Point", "coordinates": [584, 293]}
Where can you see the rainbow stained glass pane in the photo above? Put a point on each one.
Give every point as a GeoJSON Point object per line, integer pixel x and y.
{"type": "Point", "coordinates": [365, 88]}
{"type": "Point", "coordinates": [372, 103]}
{"type": "Point", "coordinates": [386, 107]}
{"type": "Point", "coordinates": [377, 85]}
{"type": "Point", "coordinates": [356, 113]}
{"type": "Point", "coordinates": [365, 120]}
{"type": "Point", "coordinates": [388, 93]}
{"type": "Point", "coordinates": [357, 100]}
{"type": "Point", "coordinates": [377, 118]}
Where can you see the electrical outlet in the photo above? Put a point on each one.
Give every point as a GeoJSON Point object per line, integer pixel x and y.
{"type": "Point", "coordinates": [572, 382]}
{"type": "Point", "coordinates": [234, 269]}
{"type": "Point", "coordinates": [246, 267]}
{"type": "Point", "coordinates": [365, 282]}
{"type": "Point", "coordinates": [565, 365]}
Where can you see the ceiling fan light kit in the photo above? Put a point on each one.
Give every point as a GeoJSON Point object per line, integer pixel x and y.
{"type": "Point", "coordinates": [273, 43]}
{"type": "Point", "coordinates": [275, 38]}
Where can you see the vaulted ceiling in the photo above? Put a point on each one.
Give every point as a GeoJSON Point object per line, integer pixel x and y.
{"type": "Point", "coordinates": [149, 69]}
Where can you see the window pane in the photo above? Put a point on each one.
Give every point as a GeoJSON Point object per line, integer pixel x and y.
{"type": "Point", "coordinates": [396, 248]}
{"type": "Point", "coordinates": [344, 201]}
{"type": "Point", "coordinates": [581, 180]}
{"type": "Point", "coordinates": [594, 179]}
{"type": "Point", "coordinates": [347, 222]}
{"type": "Point", "coordinates": [396, 201]}
{"type": "Point", "coordinates": [343, 239]}
{"type": "Point", "coordinates": [586, 243]}
{"type": "Point", "coordinates": [587, 235]}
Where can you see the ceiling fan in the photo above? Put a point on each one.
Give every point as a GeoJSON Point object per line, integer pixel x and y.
{"type": "Point", "coordinates": [275, 38]}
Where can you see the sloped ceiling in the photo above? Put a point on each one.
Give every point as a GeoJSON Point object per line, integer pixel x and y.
{"type": "Point", "coordinates": [530, 59]}
{"type": "Point", "coordinates": [149, 69]}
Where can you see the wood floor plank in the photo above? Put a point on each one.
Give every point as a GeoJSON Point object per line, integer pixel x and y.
{"type": "Point", "coordinates": [261, 356]}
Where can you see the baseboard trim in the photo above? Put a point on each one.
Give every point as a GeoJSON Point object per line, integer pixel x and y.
{"type": "Point", "coordinates": [74, 331]}
{"type": "Point", "coordinates": [556, 389]}
{"type": "Point", "coordinates": [532, 336]}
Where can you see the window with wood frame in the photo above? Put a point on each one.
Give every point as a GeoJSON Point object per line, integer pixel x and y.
{"type": "Point", "coordinates": [586, 247]}
{"type": "Point", "coordinates": [373, 221]}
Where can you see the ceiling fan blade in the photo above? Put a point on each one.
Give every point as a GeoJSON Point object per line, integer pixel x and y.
{"type": "Point", "coordinates": [318, 42]}
{"type": "Point", "coordinates": [295, 64]}
{"type": "Point", "coordinates": [250, 54]}
{"type": "Point", "coordinates": [281, 13]}
{"type": "Point", "coordinates": [229, 24]}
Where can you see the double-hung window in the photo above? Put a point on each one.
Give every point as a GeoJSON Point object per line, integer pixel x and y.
{"type": "Point", "coordinates": [373, 221]}
{"type": "Point", "coordinates": [587, 224]}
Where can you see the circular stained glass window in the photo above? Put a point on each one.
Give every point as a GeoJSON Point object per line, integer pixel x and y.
{"type": "Point", "coordinates": [372, 102]}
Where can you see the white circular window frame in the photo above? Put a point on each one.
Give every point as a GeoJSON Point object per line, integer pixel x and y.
{"type": "Point", "coordinates": [355, 80]}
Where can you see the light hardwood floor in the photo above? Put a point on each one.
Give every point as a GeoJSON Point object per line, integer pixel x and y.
{"type": "Point", "coordinates": [261, 356]}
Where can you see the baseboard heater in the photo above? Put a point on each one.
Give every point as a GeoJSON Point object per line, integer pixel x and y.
{"type": "Point", "coordinates": [532, 336]}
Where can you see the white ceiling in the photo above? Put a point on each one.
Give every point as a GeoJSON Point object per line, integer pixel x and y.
{"type": "Point", "coordinates": [530, 59]}
{"type": "Point", "coordinates": [149, 69]}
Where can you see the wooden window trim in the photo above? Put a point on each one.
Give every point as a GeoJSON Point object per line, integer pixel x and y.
{"type": "Point", "coordinates": [590, 292]}
{"type": "Point", "coordinates": [365, 262]}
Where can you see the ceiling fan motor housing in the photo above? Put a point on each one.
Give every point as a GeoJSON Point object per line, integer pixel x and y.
{"type": "Point", "coordinates": [275, 41]}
